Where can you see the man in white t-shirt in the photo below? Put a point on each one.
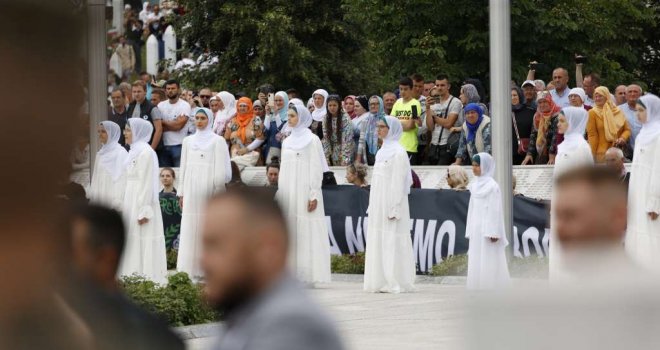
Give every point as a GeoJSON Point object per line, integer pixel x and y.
{"type": "Point", "coordinates": [176, 119]}
{"type": "Point", "coordinates": [442, 110]}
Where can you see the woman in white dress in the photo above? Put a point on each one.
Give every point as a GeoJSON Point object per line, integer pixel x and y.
{"type": "Point", "coordinates": [299, 194]}
{"type": "Point", "coordinates": [144, 253]}
{"type": "Point", "coordinates": [205, 169]}
{"type": "Point", "coordinates": [390, 264]}
{"type": "Point", "coordinates": [227, 110]}
{"type": "Point", "coordinates": [573, 152]}
{"type": "Point", "coordinates": [109, 179]}
{"type": "Point", "coordinates": [643, 233]}
{"type": "Point", "coordinates": [487, 267]}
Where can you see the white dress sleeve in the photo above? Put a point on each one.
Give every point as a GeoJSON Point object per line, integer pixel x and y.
{"type": "Point", "coordinates": [221, 166]}
{"type": "Point", "coordinates": [183, 167]}
{"type": "Point", "coordinates": [145, 195]}
{"type": "Point", "coordinates": [493, 216]}
{"type": "Point", "coordinates": [399, 190]}
{"type": "Point", "coordinates": [315, 169]}
{"type": "Point", "coordinates": [653, 199]}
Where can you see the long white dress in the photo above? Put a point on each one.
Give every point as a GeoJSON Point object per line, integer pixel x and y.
{"type": "Point", "coordinates": [390, 262]}
{"type": "Point", "coordinates": [109, 177]}
{"type": "Point", "coordinates": [487, 266]}
{"type": "Point", "coordinates": [301, 176]}
{"type": "Point", "coordinates": [205, 169]}
{"type": "Point", "coordinates": [144, 253]}
{"type": "Point", "coordinates": [643, 234]}
{"type": "Point", "coordinates": [572, 153]}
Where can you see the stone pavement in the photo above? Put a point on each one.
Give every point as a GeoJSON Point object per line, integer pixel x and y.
{"type": "Point", "coordinates": [430, 318]}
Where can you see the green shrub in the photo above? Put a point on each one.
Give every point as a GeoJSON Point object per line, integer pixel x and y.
{"type": "Point", "coordinates": [349, 263]}
{"type": "Point", "coordinates": [172, 255]}
{"type": "Point", "coordinates": [454, 265]}
{"type": "Point", "coordinates": [180, 302]}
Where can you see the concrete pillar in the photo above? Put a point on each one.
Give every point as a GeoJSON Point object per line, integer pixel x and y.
{"type": "Point", "coordinates": [500, 81]}
{"type": "Point", "coordinates": [98, 75]}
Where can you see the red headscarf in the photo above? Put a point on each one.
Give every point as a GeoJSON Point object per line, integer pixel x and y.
{"type": "Point", "coordinates": [542, 119]}
{"type": "Point", "coordinates": [244, 119]}
{"type": "Point", "coordinates": [352, 113]}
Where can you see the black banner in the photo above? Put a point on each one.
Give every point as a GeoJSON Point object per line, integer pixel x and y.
{"type": "Point", "coordinates": [169, 207]}
{"type": "Point", "coordinates": [437, 223]}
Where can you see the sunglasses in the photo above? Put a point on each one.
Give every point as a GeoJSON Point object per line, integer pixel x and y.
{"type": "Point", "coordinates": [205, 96]}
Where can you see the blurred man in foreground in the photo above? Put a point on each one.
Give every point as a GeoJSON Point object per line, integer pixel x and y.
{"type": "Point", "coordinates": [98, 237]}
{"type": "Point", "coordinates": [244, 261]}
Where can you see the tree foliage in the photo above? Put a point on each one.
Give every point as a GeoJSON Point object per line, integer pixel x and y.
{"type": "Point", "coordinates": [304, 44]}
{"type": "Point", "coordinates": [366, 45]}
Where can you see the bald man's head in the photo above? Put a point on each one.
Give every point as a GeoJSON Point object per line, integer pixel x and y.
{"type": "Point", "coordinates": [560, 78]}
{"type": "Point", "coordinates": [244, 245]}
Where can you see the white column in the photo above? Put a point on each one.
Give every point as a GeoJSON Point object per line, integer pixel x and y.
{"type": "Point", "coordinates": [500, 80]}
{"type": "Point", "coordinates": [152, 55]}
{"type": "Point", "coordinates": [98, 75]}
{"type": "Point", "coordinates": [169, 37]}
{"type": "Point", "coordinates": [118, 16]}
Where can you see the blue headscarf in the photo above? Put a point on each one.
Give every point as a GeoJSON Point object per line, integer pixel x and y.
{"type": "Point", "coordinates": [372, 121]}
{"type": "Point", "coordinates": [472, 128]}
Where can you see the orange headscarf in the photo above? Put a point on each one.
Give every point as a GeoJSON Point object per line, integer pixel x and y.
{"type": "Point", "coordinates": [542, 119]}
{"type": "Point", "coordinates": [613, 117]}
{"type": "Point", "coordinates": [244, 119]}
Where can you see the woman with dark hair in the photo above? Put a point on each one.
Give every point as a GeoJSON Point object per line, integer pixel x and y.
{"type": "Point", "coordinates": [522, 124]}
{"type": "Point", "coordinates": [337, 141]}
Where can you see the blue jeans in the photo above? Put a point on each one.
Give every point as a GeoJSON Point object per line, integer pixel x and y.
{"type": "Point", "coordinates": [169, 156]}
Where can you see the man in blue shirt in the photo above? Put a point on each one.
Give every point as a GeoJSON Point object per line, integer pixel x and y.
{"type": "Point", "coordinates": [633, 92]}
{"type": "Point", "coordinates": [560, 92]}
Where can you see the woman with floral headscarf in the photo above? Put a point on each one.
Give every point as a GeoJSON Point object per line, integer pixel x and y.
{"type": "Point", "coordinates": [245, 133]}
{"type": "Point", "coordinates": [349, 106]}
{"type": "Point", "coordinates": [368, 143]}
{"type": "Point", "coordinates": [337, 141]}
{"type": "Point", "coordinates": [607, 126]}
{"type": "Point", "coordinates": [205, 169]}
{"type": "Point", "coordinates": [543, 139]}
{"type": "Point", "coordinates": [470, 94]}
{"type": "Point", "coordinates": [389, 262]}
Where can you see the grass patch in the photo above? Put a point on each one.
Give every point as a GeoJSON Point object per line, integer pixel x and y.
{"type": "Point", "coordinates": [348, 263]}
{"type": "Point", "coordinates": [180, 303]}
{"type": "Point", "coordinates": [455, 265]}
{"type": "Point", "coordinates": [529, 267]}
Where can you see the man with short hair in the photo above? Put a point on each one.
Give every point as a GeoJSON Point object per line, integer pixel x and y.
{"type": "Point", "coordinates": [273, 173]}
{"type": "Point", "coordinates": [443, 112]}
{"type": "Point", "coordinates": [118, 112]}
{"type": "Point", "coordinates": [176, 120]}
{"type": "Point", "coordinates": [245, 265]}
{"type": "Point", "coordinates": [142, 108]}
{"type": "Point", "coordinates": [158, 96]}
{"type": "Point", "coordinates": [205, 97]}
{"type": "Point", "coordinates": [97, 240]}
{"type": "Point", "coordinates": [408, 110]}
{"type": "Point", "coordinates": [614, 159]}
{"type": "Point", "coordinates": [389, 98]}
{"type": "Point", "coordinates": [147, 79]}
{"type": "Point", "coordinates": [589, 84]}
{"type": "Point", "coordinates": [428, 85]}
{"type": "Point", "coordinates": [529, 90]}
{"type": "Point", "coordinates": [620, 94]}
{"type": "Point", "coordinates": [633, 93]}
{"type": "Point", "coordinates": [561, 90]}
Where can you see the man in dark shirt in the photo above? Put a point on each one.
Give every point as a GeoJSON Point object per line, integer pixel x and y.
{"type": "Point", "coordinates": [118, 112]}
{"type": "Point", "coordinates": [142, 108]}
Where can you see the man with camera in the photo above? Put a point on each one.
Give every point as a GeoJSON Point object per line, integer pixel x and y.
{"type": "Point", "coordinates": [443, 111]}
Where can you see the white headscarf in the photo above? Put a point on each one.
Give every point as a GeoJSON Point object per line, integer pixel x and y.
{"type": "Point", "coordinates": [112, 156]}
{"type": "Point", "coordinates": [301, 136]}
{"type": "Point", "coordinates": [226, 113]}
{"type": "Point", "coordinates": [281, 115]}
{"type": "Point", "coordinates": [485, 183]}
{"type": "Point", "coordinates": [577, 118]}
{"type": "Point", "coordinates": [320, 112]}
{"type": "Point", "coordinates": [296, 102]}
{"type": "Point", "coordinates": [141, 131]}
{"type": "Point", "coordinates": [580, 92]}
{"type": "Point", "coordinates": [391, 146]}
{"type": "Point", "coordinates": [202, 139]}
{"type": "Point", "coordinates": [651, 129]}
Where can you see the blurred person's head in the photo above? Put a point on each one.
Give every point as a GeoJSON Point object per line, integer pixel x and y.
{"type": "Point", "coordinates": [560, 79]}
{"type": "Point", "coordinates": [529, 90]}
{"type": "Point", "coordinates": [145, 77]}
{"type": "Point", "coordinates": [292, 93]}
{"type": "Point", "coordinates": [427, 88]}
{"type": "Point", "coordinates": [540, 85]}
{"type": "Point", "coordinates": [590, 208]}
{"type": "Point", "coordinates": [633, 92]}
{"type": "Point", "coordinates": [620, 94]}
{"type": "Point", "coordinates": [356, 174]}
{"type": "Point", "coordinates": [157, 96]}
{"type": "Point", "coordinates": [273, 171]}
{"type": "Point", "coordinates": [389, 98]}
{"type": "Point", "coordinates": [418, 85]}
{"type": "Point", "coordinates": [457, 178]}
{"type": "Point", "coordinates": [614, 158]}
{"type": "Point", "coordinates": [127, 89]}
{"type": "Point", "coordinates": [258, 108]}
{"type": "Point", "coordinates": [118, 99]}
{"type": "Point", "coordinates": [139, 91]}
{"type": "Point", "coordinates": [98, 236]}
{"type": "Point", "coordinates": [242, 257]}
{"type": "Point", "coordinates": [167, 178]}
{"type": "Point", "coordinates": [205, 96]}
{"type": "Point", "coordinates": [590, 82]}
